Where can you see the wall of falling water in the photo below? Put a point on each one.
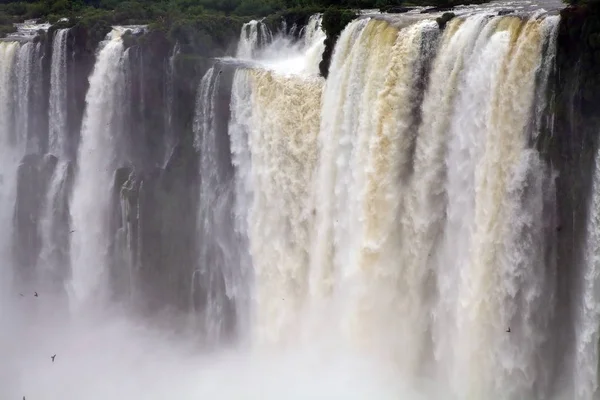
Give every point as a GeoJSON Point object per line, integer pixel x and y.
{"type": "Point", "coordinates": [417, 234]}
{"type": "Point", "coordinates": [10, 150]}
{"type": "Point", "coordinates": [278, 126]}
{"type": "Point", "coordinates": [58, 95]}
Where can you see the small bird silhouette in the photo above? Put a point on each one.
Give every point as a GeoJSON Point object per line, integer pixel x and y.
{"type": "Point", "coordinates": [35, 294]}
{"type": "Point", "coordinates": [71, 231]}
{"type": "Point", "coordinates": [21, 294]}
{"type": "Point", "coordinates": [508, 330]}
{"type": "Point", "coordinates": [53, 357]}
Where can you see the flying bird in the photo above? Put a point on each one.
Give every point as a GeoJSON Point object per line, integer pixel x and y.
{"type": "Point", "coordinates": [53, 357]}
{"type": "Point", "coordinates": [35, 294]}
{"type": "Point", "coordinates": [508, 330]}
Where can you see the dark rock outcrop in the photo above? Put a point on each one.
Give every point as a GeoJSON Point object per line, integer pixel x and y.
{"type": "Point", "coordinates": [33, 177]}
{"type": "Point", "coordinates": [569, 142]}
{"type": "Point", "coordinates": [334, 22]}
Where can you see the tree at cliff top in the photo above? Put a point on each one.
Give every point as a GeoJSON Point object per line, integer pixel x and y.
{"type": "Point", "coordinates": [153, 10]}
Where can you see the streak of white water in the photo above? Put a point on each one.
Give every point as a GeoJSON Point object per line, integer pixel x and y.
{"type": "Point", "coordinates": [9, 158]}
{"type": "Point", "coordinates": [24, 69]}
{"type": "Point", "coordinates": [53, 230]}
{"type": "Point", "coordinates": [215, 279]}
{"type": "Point", "coordinates": [57, 111]}
{"type": "Point", "coordinates": [239, 131]}
{"type": "Point", "coordinates": [90, 204]}
{"type": "Point", "coordinates": [465, 144]}
{"type": "Point", "coordinates": [170, 134]}
{"type": "Point", "coordinates": [254, 35]}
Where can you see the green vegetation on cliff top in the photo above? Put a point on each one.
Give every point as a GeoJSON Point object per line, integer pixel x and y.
{"type": "Point", "coordinates": [166, 13]}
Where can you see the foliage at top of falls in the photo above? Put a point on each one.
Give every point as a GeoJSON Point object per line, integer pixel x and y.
{"type": "Point", "coordinates": [167, 13]}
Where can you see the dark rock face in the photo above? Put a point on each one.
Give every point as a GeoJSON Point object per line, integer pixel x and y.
{"type": "Point", "coordinates": [569, 142]}
{"type": "Point", "coordinates": [444, 19]}
{"type": "Point", "coordinates": [160, 258]}
{"type": "Point", "coordinates": [154, 228]}
{"type": "Point", "coordinates": [334, 22]}
{"type": "Point", "coordinates": [505, 12]}
{"type": "Point", "coordinates": [33, 178]}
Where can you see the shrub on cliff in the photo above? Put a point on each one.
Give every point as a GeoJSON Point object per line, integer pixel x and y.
{"type": "Point", "coordinates": [334, 22]}
{"type": "Point", "coordinates": [209, 35]}
{"type": "Point", "coordinates": [130, 11]}
{"type": "Point", "coordinates": [258, 8]}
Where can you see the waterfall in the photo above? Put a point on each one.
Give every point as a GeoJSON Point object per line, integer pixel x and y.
{"type": "Point", "coordinates": [100, 138]}
{"type": "Point", "coordinates": [214, 277]}
{"type": "Point", "coordinates": [437, 213]}
{"type": "Point", "coordinates": [314, 44]}
{"type": "Point", "coordinates": [24, 70]}
{"type": "Point", "coordinates": [9, 158]}
{"type": "Point", "coordinates": [58, 133]}
{"type": "Point", "coordinates": [53, 259]}
{"type": "Point", "coordinates": [255, 34]}
{"type": "Point", "coordinates": [283, 52]}
{"type": "Point", "coordinates": [391, 231]}
{"type": "Point", "coordinates": [282, 140]}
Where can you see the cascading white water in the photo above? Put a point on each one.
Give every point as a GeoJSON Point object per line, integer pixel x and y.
{"type": "Point", "coordinates": [8, 160]}
{"type": "Point", "coordinates": [53, 229]}
{"type": "Point", "coordinates": [215, 277]}
{"type": "Point", "coordinates": [58, 96]}
{"type": "Point", "coordinates": [428, 240]}
{"type": "Point", "coordinates": [282, 138]}
{"type": "Point", "coordinates": [254, 35]}
{"type": "Point", "coordinates": [100, 138]}
{"type": "Point", "coordinates": [314, 44]}
{"type": "Point", "coordinates": [282, 52]}
{"type": "Point", "coordinates": [24, 69]}
{"type": "Point", "coordinates": [15, 76]}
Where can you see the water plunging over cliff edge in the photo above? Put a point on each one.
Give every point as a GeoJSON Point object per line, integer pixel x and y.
{"type": "Point", "coordinates": [417, 225]}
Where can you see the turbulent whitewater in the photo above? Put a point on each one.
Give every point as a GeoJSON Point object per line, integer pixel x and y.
{"type": "Point", "coordinates": [396, 230]}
